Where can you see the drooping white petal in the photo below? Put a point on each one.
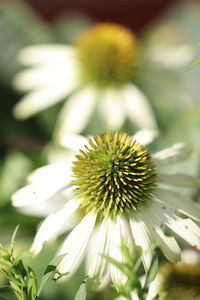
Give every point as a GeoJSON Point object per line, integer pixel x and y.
{"type": "Point", "coordinates": [111, 109]}
{"type": "Point", "coordinates": [145, 136]}
{"type": "Point", "coordinates": [179, 202]}
{"type": "Point", "coordinates": [75, 245]}
{"type": "Point", "coordinates": [46, 54]}
{"type": "Point", "coordinates": [186, 229]}
{"type": "Point", "coordinates": [137, 107]}
{"type": "Point", "coordinates": [126, 233]}
{"type": "Point", "coordinates": [175, 153]}
{"type": "Point", "coordinates": [76, 112]}
{"type": "Point", "coordinates": [40, 99]}
{"type": "Point", "coordinates": [166, 243]}
{"type": "Point", "coordinates": [134, 296]}
{"type": "Point", "coordinates": [104, 282]}
{"type": "Point", "coordinates": [115, 243]}
{"type": "Point", "coordinates": [73, 141]}
{"type": "Point", "coordinates": [179, 179]}
{"type": "Point", "coordinates": [154, 288]}
{"type": "Point", "coordinates": [96, 264]}
{"type": "Point", "coordinates": [142, 238]}
{"type": "Point", "coordinates": [52, 224]}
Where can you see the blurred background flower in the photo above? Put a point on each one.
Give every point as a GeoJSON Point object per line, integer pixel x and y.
{"type": "Point", "coordinates": [180, 281]}
{"type": "Point", "coordinates": [96, 73]}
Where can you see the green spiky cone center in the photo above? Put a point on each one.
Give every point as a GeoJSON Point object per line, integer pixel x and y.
{"type": "Point", "coordinates": [108, 55]}
{"type": "Point", "coordinates": [113, 175]}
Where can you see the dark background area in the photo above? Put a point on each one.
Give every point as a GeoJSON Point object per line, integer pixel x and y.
{"type": "Point", "coordinates": [136, 14]}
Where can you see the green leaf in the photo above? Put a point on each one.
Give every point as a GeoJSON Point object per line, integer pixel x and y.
{"type": "Point", "coordinates": [117, 264]}
{"type": "Point", "coordinates": [4, 263]}
{"type": "Point", "coordinates": [48, 272]}
{"type": "Point", "coordinates": [82, 291]}
{"type": "Point", "coordinates": [32, 284]}
{"type": "Point", "coordinates": [4, 288]}
{"type": "Point", "coordinates": [194, 64]}
{"type": "Point", "coordinates": [14, 236]}
{"type": "Point", "coordinates": [22, 255]}
{"type": "Point", "coordinates": [152, 272]}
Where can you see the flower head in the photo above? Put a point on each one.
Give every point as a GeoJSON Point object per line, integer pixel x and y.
{"type": "Point", "coordinates": [116, 191]}
{"type": "Point", "coordinates": [108, 54]}
{"type": "Point", "coordinates": [96, 73]}
{"type": "Point", "coordinates": [114, 175]}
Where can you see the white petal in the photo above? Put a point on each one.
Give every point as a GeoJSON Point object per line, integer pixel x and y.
{"type": "Point", "coordinates": [44, 77]}
{"type": "Point", "coordinates": [134, 296]}
{"type": "Point", "coordinates": [96, 264]}
{"type": "Point", "coordinates": [115, 244]}
{"type": "Point", "coordinates": [43, 209]}
{"type": "Point", "coordinates": [154, 288]}
{"type": "Point", "coordinates": [138, 108]}
{"type": "Point", "coordinates": [105, 282]}
{"type": "Point", "coordinates": [186, 229]}
{"type": "Point", "coordinates": [179, 179]}
{"type": "Point", "coordinates": [175, 153]}
{"type": "Point", "coordinates": [145, 136]}
{"type": "Point", "coordinates": [190, 257]}
{"type": "Point", "coordinates": [166, 243]}
{"type": "Point", "coordinates": [75, 245]}
{"type": "Point", "coordinates": [41, 99]}
{"type": "Point", "coordinates": [173, 57]}
{"type": "Point", "coordinates": [179, 202]}
{"type": "Point", "coordinates": [73, 141]}
{"type": "Point", "coordinates": [55, 154]}
{"type": "Point", "coordinates": [142, 238]}
{"type": "Point", "coordinates": [59, 172]}
{"type": "Point", "coordinates": [45, 54]}
{"type": "Point", "coordinates": [35, 193]}
{"type": "Point", "coordinates": [111, 109]}
{"type": "Point", "coordinates": [52, 224]}
{"type": "Point", "coordinates": [76, 112]}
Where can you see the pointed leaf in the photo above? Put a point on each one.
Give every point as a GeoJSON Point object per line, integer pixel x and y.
{"type": "Point", "coordinates": [13, 237]}
{"type": "Point", "coordinates": [194, 64]}
{"type": "Point", "coordinates": [152, 272]}
{"type": "Point", "coordinates": [82, 291]}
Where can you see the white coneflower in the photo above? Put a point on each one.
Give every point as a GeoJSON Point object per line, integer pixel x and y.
{"type": "Point", "coordinates": [116, 192]}
{"type": "Point", "coordinates": [95, 73]}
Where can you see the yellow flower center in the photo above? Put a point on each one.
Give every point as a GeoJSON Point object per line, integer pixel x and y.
{"type": "Point", "coordinates": [108, 54]}
{"type": "Point", "coordinates": [114, 174]}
